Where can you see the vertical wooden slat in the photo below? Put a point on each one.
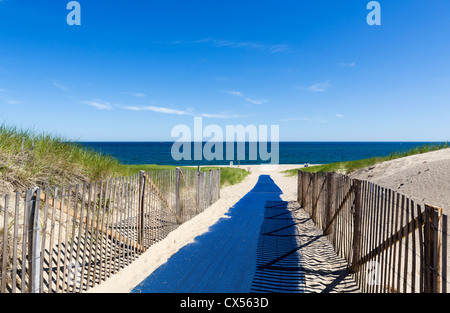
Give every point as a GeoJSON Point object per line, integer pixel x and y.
{"type": "Point", "coordinates": [413, 247]}
{"type": "Point", "coordinates": [391, 232]}
{"type": "Point", "coordinates": [118, 250]}
{"type": "Point", "coordinates": [110, 225]}
{"type": "Point", "coordinates": [95, 244]}
{"type": "Point", "coordinates": [60, 226]}
{"type": "Point", "coordinates": [66, 240]}
{"type": "Point", "coordinates": [435, 253]}
{"type": "Point", "coordinates": [405, 266]}
{"type": "Point", "coordinates": [421, 247]}
{"type": "Point", "coordinates": [427, 252]}
{"type": "Point", "coordinates": [375, 225]}
{"type": "Point", "coordinates": [80, 243]}
{"type": "Point", "coordinates": [384, 266]}
{"type": "Point", "coordinates": [444, 234]}
{"type": "Point", "coordinates": [122, 221]}
{"type": "Point", "coordinates": [87, 239]}
{"type": "Point", "coordinates": [15, 242]}
{"type": "Point", "coordinates": [4, 272]}
{"type": "Point", "coordinates": [72, 269]}
{"type": "Point", "coordinates": [104, 234]}
{"type": "Point", "coordinates": [34, 241]}
{"type": "Point", "coordinates": [90, 236]}
{"type": "Point", "coordinates": [44, 238]}
{"type": "Point", "coordinates": [400, 244]}
{"type": "Point", "coordinates": [105, 226]}
{"type": "Point", "coordinates": [126, 222]}
{"type": "Point", "coordinates": [24, 241]}
{"type": "Point", "coordinates": [366, 234]}
{"type": "Point", "coordinates": [132, 217]}
{"type": "Point", "coordinates": [357, 227]}
{"type": "Point", "coordinates": [141, 208]}
{"type": "Point", "coordinates": [108, 242]}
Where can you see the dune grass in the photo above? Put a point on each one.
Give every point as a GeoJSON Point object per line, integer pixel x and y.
{"type": "Point", "coordinates": [228, 176]}
{"type": "Point", "coordinates": [29, 159]}
{"type": "Point", "coordinates": [351, 166]}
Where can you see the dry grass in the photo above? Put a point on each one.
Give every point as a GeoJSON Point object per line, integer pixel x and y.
{"type": "Point", "coordinates": [29, 159]}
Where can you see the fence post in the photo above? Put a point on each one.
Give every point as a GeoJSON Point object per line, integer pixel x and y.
{"type": "Point", "coordinates": [329, 211]}
{"type": "Point", "coordinates": [177, 192]}
{"type": "Point", "coordinates": [444, 253]}
{"type": "Point", "coordinates": [314, 197]}
{"type": "Point", "coordinates": [5, 255]}
{"type": "Point", "coordinates": [34, 240]}
{"type": "Point", "coordinates": [210, 188]}
{"type": "Point", "coordinates": [198, 189]}
{"type": "Point", "coordinates": [141, 206]}
{"type": "Point", "coordinates": [218, 183]}
{"type": "Point", "coordinates": [431, 247]}
{"type": "Point", "coordinates": [356, 245]}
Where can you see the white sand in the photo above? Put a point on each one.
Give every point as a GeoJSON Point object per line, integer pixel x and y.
{"type": "Point", "coordinates": [160, 252]}
{"type": "Point", "coordinates": [425, 178]}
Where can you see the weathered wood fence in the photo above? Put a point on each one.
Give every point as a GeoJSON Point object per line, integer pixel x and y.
{"type": "Point", "coordinates": [72, 238]}
{"type": "Point", "coordinates": [391, 243]}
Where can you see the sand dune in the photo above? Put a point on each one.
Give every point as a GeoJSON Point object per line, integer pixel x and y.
{"type": "Point", "coordinates": [425, 178]}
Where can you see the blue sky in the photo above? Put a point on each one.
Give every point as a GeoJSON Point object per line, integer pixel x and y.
{"type": "Point", "coordinates": [135, 69]}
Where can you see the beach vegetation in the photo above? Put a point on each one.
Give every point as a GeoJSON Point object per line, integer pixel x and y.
{"type": "Point", "coordinates": [34, 159]}
{"type": "Point", "coordinates": [348, 167]}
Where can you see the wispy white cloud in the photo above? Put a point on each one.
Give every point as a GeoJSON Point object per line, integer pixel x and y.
{"type": "Point", "coordinates": [271, 48]}
{"type": "Point", "coordinates": [320, 87]}
{"type": "Point", "coordinates": [234, 93]}
{"type": "Point", "coordinates": [248, 99]}
{"type": "Point", "coordinates": [59, 85]}
{"type": "Point", "coordinates": [156, 109]}
{"type": "Point", "coordinates": [98, 104]}
{"type": "Point", "coordinates": [352, 64]}
{"type": "Point", "coordinates": [165, 110]}
{"type": "Point", "coordinates": [7, 99]}
{"type": "Point", "coordinates": [306, 119]}
{"type": "Point", "coordinates": [339, 115]}
{"type": "Point", "coordinates": [104, 105]}
{"type": "Point", "coordinates": [221, 115]}
{"type": "Point", "coordinates": [254, 45]}
{"type": "Point", "coordinates": [135, 94]}
{"type": "Point", "coordinates": [254, 101]}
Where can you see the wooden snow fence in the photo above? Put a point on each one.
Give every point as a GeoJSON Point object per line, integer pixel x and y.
{"type": "Point", "coordinates": [64, 240]}
{"type": "Point", "coordinates": [391, 243]}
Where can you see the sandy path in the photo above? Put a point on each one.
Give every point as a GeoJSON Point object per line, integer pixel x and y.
{"type": "Point", "coordinates": [324, 270]}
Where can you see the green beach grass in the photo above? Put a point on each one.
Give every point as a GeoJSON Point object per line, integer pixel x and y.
{"type": "Point", "coordinates": [29, 159]}
{"type": "Point", "coordinates": [351, 166]}
{"type": "Point", "coordinates": [228, 176]}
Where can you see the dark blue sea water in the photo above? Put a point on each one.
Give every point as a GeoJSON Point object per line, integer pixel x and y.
{"type": "Point", "coordinates": [289, 152]}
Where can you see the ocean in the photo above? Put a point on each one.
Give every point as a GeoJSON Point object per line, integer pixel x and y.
{"type": "Point", "coordinates": [289, 152]}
